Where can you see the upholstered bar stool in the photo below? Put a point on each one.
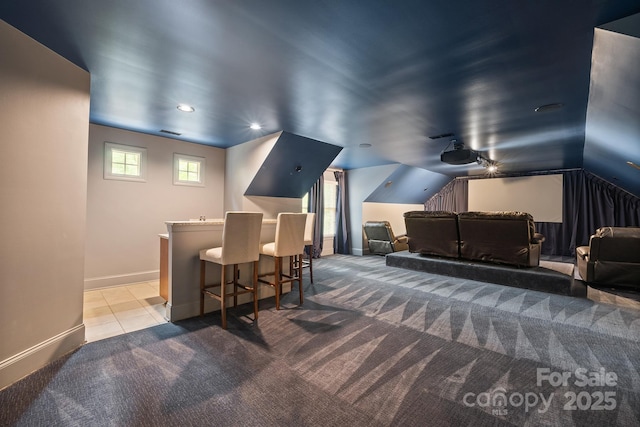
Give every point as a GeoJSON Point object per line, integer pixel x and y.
{"type": "Point", "coordinates": [289, 242]}
{"type": "Point", "coordinates": [240, 244]}
{"type": "Point", "coordinates": [309, 229]}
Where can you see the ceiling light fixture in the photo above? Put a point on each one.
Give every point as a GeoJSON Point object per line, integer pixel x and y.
{"type": "Point", "coordinates": [364, 145]}
{"type": "Point", "coordinates": [490, 165]}
{"type": "Point", "coordinates": [255, 126]}
{"type": "Point", "coordinates": [633, 165]}
{"type": "Point", "coordinates": [185, 108]}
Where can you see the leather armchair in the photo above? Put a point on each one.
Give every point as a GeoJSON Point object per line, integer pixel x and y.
{"type": "Point", "coordinates": [381, 239]}
{"type": "Point", "coordinates": [612, 257]}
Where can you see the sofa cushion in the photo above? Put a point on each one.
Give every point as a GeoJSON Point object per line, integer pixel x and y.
{"type": "Point", "coordinates": [621, 244]}
{"type": "Point", "coordinates": [613, 256]}
{"type": "Point", "coordinates": [500, 237]}
{"type": "Point", "coordinates": [432, 233]}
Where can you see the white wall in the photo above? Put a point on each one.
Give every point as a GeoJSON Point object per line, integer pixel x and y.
{"type": "Point", "coordinates": [392, 212]}
{"type": "Point", "coordinates": [242, 163]}
{"type": "Point", "coordinates": [44, 106]}
{"type": "Point", "coordinates": [362, 182]}
{"type": "Point", "coordinates": [124, 218]}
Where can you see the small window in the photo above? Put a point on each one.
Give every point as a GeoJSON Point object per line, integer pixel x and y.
{"type": "Point", "coordinates": [124, 162]}
{"type": "Point", "coordinates": [188, 170]}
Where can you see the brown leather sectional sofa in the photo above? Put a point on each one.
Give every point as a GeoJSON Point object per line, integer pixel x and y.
{"type": "Point", "coordinates": [498, 237]}
{"type": "Point", "coordinates": [612, 257]}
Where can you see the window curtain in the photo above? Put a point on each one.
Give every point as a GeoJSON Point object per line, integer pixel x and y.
{"type": "Point", "coordinates": [342, 240]}
{"type": "Point", "coordinates": [316, 205]}
{"type": "Point", "coordinates": [453, 197]}
{"type": "Point", "coordinates": [589, 203]}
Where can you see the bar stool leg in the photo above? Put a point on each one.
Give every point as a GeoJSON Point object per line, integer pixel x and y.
{"type": "Point", "coordinates": [311, 263]}
{"type": "Point", "coordinates": [235, 285]}
{"type": "Point", "coordinates": [276, 280]}
{"type": "Point", "coordinates": [223, 299]}
{"type": "Point", "coordinates": [255, 291]}
{"type": "Point", "coordinates": [300, 278]}
{"type": "Point", "coordinates": [203, 269]}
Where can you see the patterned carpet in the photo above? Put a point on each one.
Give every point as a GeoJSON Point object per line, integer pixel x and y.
{"type": "Point", "coordinates": [372, 345]}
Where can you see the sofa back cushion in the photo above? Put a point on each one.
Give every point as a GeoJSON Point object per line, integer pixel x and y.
{"type": "Point", "coordinates": [620, 244]}
{"type": "Point", "coordinates": [501, 237]}
{"type": "Point", "coordinates": [432, 233]}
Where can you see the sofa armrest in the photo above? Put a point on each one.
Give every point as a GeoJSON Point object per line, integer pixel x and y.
{"type": "Point", "coordinates": [402, 238]}
{"type": "Point", "coordinates": [582, 252]}
{"type": "Point", "coordinates": [537, 238]}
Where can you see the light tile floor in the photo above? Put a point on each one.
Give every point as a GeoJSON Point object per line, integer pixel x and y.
{"type": "Point", "coordinates": [113, 311]}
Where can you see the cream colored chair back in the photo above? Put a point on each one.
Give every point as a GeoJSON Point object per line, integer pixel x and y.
{"type": "Point", "coordinates": [309, 228]}
{"type": "Point", "coordinates": [290, 234]}
{"type": "Point", "coordinates": [241, 237]}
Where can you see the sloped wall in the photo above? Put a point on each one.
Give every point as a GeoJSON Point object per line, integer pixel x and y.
{"type": "Point", "coordinates": [242, 163]}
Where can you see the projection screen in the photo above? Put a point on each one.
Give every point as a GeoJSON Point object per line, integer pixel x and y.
{"type": "Point", "coordinates": [540, 195]}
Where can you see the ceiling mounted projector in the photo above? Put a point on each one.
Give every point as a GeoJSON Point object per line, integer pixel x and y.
{"type": "Point", "coordinates": [459, 155]}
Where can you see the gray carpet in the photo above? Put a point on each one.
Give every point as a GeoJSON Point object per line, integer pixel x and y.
{"type": "Point", "coordinates": [372, 345]}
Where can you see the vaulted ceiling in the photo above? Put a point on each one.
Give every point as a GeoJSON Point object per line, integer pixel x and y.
{"type": "Point", "coordinates": [392, 74]}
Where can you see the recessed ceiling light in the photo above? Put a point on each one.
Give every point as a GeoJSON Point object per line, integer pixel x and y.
{"type": "Point", "coordinates": [255, 126]}
{"type": "Point", "coordinates": [364, 145]}
{"type": "Point", "coordinates": [549, 107]}
{"type": "Point", "coordinates": [633, 165]}
{"type": "Point", "coordinates": [186, 108]}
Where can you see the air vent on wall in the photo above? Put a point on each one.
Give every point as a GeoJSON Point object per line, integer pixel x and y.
{"type": "Point", "coordinates": [170, 132]}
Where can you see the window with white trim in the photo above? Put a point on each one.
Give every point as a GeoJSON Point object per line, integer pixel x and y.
{"type": "Point", "coordinates": [329, 209]}
{"type": "Point", "coordinates": [125, 162]}
{"type": "Point", "coordinates": [188, 170]}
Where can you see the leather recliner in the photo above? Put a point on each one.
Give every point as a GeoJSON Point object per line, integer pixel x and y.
{"type": "Point", "coordinates": [612, 257]}
{"type": "Point", "coordinates": [381, 239]}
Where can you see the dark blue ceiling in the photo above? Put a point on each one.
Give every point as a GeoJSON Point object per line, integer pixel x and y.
{"type": "Point", "coordinates": [380, 72]}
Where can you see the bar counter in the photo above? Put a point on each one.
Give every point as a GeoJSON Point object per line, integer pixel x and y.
{"type": "Point", "coordinates": [181, 256]}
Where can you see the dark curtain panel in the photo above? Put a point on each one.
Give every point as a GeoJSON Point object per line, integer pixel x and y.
{"type": "Point", "coordinates": [589, 203]}
{"type": "Point", "coordinates": [342, 241]}
{"type": "Point", "coordinates": [453, 197]}
{"type": "Point", "coordinates": [316, 205]}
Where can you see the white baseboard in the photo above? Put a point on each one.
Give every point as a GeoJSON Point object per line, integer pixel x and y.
{"type": "Point", "coordinates": [40, 355]}
{"type": "Point", "coordinates": [120, 279]}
